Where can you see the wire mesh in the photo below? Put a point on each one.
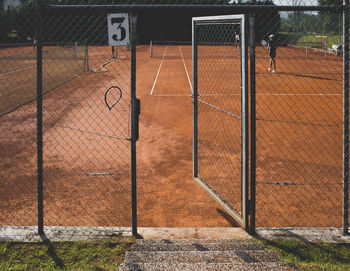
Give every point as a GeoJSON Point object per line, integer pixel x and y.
{"type": "Point", "coordinates": [18, 205]}
{"type": "Point", "coordinates": [86, 148]}
{"type": "Point", "coordinates": [86, 153]}
{"type": "Point", "coordinates": [18, 62]}
{"type": "Point", "coordinates": [220, 110]}
{"type": "Point", "coordinates": [299, 123]}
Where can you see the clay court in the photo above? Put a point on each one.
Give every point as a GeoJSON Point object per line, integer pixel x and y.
{"type": "Point", "coordinates": [87, 152]}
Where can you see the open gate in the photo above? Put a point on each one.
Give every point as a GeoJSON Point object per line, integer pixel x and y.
{"type": "Point", "coordinates": [220, 111]}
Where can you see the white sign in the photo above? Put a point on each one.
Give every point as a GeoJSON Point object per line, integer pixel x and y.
{"type": "Point", "coordinates": [118, 29]}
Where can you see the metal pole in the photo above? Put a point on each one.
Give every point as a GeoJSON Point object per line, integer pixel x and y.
{"type": "Point", "coordinates": [39, 137]}
{"type": "Point", "coordinates": [195, 100]}
{"type": "Point", "coordinates": [346, 117]}
{"type": "Point", "coordinates": [252, 207]}
{"type": "Point", "coordinates": [134, 124]}
{"type": "Point", "coordinates": [245, 126]}
{"type": "Point", "coordinates": [87, 57]}
{"type": "Point", "coordinates": [228, 8]}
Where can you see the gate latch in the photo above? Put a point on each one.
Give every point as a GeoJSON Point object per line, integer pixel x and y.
{"type": "Point", "coordinates": [136, 110]}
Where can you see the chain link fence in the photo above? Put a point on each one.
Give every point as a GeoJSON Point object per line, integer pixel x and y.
{"type": "Point", "coordinates": [298, 113]}
{"type": "Point", "coordinates": [86, 131]}
{"type": "Point", "coordinates": [299, 123]}
{"type": "Point", "coordinates": [298, 156]}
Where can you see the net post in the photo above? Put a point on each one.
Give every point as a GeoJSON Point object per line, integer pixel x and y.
{"type": "Point", "coordinates": [306, 47]}
{"type": "Point", "coordinates": [150, 48]}
{"type": "Point", "coordinates": [87, 57]}
{"type": "Point", "coordinates": [76, 49]}
{"type": "Point", "coordinates": [252, 205]}
{"type": "Point", "coordinates": [39, 77]}
{"type": "Point", "coordinates": [195, 100]}
{"type": "Point", "coordinates": [345, 203]}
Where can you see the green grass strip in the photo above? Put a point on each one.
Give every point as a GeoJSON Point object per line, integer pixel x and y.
{"type": "Point", "coordinates": [84, 255]}
{"type": "Point", "coordinates": [310, 256]}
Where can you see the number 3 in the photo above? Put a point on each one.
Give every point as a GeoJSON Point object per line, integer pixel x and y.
{"type": "Point", "coordinates": [122, 29]}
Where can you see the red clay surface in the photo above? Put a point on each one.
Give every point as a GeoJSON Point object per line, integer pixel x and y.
{"type": "Point", "coordinates": [87, 154]}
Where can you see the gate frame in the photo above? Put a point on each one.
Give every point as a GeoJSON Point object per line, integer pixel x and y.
{"type": "Point", "coordinates": [241, 219]}
{"type": "Point", "coordinates": [134, 114]}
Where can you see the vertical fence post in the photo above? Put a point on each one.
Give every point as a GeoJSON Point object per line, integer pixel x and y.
{"type": "Point", "coordinates": [39, 138]}
{"type": "Point", "coordinates": [245, 125]}
{"type": "Point", "coordinates": [134, 123]}
{"type": "Point", "coordinates": [346, 117]}
{"type": "Point", "coordinates": [195, 100]}
{"type": "Point", "coordinates": [252, 124]}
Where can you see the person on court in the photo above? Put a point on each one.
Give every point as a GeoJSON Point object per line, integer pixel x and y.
{"type": "Point", "coordinates": [236, 40]}
{"type": "Point", "coordinates": [272, 47]}
{"type": "Point", "coordinates": [35, 41]}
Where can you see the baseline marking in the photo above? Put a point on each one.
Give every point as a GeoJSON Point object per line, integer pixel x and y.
{"type": "Point", "coordinates": [172, 95]}
{"type": "Point", "coordinates": [188, 77]}
{"type": "Point", "coordinates": [273, 94]}
{"type": "Point", "coordinates": [4, 74]}
{"type": "Point", "coordinates": [160, 66]}
{"type": "Point", "coordinates": [237, 94]}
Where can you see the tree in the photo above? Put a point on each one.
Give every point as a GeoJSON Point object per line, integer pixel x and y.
{"type": "Point", "coordinates": [331, 21]}
{"type": "Point", "coordinates": [25, 20]}
{"type": "Point", "coordinates": [268, 21]}
{"type": "Point", "coordinates": [4, 27]}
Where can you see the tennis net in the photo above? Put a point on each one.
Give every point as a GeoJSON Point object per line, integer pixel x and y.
{"type": "Point", "coordinates": [310, 47]}
{"type": "Point", "coordinates": [51, 50]}
{"type": "Point", "coordinates": [183, 49]}
{"type": "Point", "coordinates": [61, 62]}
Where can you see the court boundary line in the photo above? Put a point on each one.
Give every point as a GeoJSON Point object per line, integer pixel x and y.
{"type": "Point", "coordinates": [11, 72]}
{"type": "Point", "coordinates": [233, 94]}
{"type": "Point", "coordinates": [160, 66]}
{"type": "Point", "coordinates": [188, 77]}
{"type": "Point", "coordinates": [172, 95]}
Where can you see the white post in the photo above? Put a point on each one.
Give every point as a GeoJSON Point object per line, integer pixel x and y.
{"type": "Point", "coordinates": [76, 48]}
{"type": "Point", "coordinates": [306, 46]}
{"type": "Point", "coordinates": [150, 48]}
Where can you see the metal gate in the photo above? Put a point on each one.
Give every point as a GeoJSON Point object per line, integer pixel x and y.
{"type": "Point", "coordinates": [71, 105]}
{"type": "Point", "coordinates": [220, 111]}
{"type": "Point", "coordinates": [98, 107]}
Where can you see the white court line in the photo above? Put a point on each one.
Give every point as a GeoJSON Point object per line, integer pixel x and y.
{"type": "Point", "coordinates": [173, 95]}
{"type": "Point", "coordinates": [188, 77]}
{"type": "Point", "coordinates": [4, 74]}
{"type": "Point", "coordinates": [232, 94]}
{"type": "Point", "coordinates": [299, 94]}
{"type": "Point", "coordinates": [160, 66]}
{"type": "Point", "coordinates": [275, 94]}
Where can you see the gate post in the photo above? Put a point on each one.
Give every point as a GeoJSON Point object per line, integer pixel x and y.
{"type": "Point", "coordinates": [245, 126]}
{"type": "Point", "coordinates": [195, 101]}
{"type": "Point", "coordinates": [135, 111]}
{"type": "Point", "coordinates": [346, 117]}
{"type": "Point", "coordinates": [252, 125]}
{"type": "Point", "coordinates": [39, 138]}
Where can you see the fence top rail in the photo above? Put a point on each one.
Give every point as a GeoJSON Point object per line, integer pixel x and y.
{"type": "Point", "coordinates": [189, 6]}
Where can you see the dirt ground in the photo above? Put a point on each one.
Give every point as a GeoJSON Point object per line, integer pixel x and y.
{"type": "Point", "coordinates": [87, 156]}
{"type": "Point", "coordinates": [87, 152]}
